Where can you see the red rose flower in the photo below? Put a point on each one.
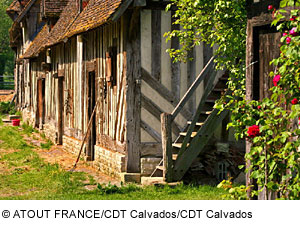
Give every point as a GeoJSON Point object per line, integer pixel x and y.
{"type": "Point", "coordinates": [284, 34]}
{"type": "Point", "coordinates": [293, 18]}
{"type": "Point", "coordinates": [276, 79]}
{"type": "Point", "coordinates": [253, 131]}
{"type": "Point", "coordinates": [288, 40]}
{"type": "Point", "coordinates": [294, 101]}
{"type": "Point", "coordinates": [270, 7]}
{"type": "Point", "coordinates": [293, 31]}
{"type": "Point", "coordinates": [259, 107]}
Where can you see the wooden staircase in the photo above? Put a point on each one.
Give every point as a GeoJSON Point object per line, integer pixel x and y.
{"type": "Point", "coordinates": [179, 155]}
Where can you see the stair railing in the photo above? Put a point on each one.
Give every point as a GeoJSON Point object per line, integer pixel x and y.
{"type": "Point", "coordinates": [167, 119]}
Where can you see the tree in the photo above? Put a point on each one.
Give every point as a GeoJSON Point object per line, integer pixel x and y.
{"type": "Point", "coordinates": [268, 124]}
{"type": "Point", "coordinates": [6, 54]}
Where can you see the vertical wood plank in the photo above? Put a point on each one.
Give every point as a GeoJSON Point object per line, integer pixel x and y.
{"type": "Point", "coordinates": [175, 66]}
{"type": "Point", "coordinates": [191, 74]}
{"type": "Point", "coordinates": [133, 92]}
{"type": "Point", "coordinates": [156, 44]}
{"type": "Point", "coordinates": [249, 96]}
{"type": "Point", "coordinates": [166, 139]}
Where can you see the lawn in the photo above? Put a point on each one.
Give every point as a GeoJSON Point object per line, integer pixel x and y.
{"type": "Point", "coordinates": [24, 175]}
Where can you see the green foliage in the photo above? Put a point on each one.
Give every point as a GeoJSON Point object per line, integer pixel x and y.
{"type": "Point", "coordinates": [274, 157]}
{"type": "Point", "coordinates": [113, 189]}
{"type": "Point", "coordinates": [233, 192]}
{"type": "Point", "coordinates": [47, 145]}
{"type": "Point", "coordinates": [27, 129]}
{"type": "Point", "coordinates": [7, 108]}
{"type": "Point", "coordinates": [6, 54]}
{"type": "Point", "coordinates": [219, 23]}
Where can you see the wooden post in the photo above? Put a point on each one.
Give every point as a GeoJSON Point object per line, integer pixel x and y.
{"type": "Point", "coordinates": [60, 109]}
{"type": "Point", "coordinates": [166, 138]}
{"type": "Point", "coordinates": [133, 91]}
{"type": "Point", "coordinates": [249, 97]}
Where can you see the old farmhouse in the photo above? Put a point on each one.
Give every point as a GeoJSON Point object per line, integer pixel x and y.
{"type": "Point", "coordinates": [99, 69]}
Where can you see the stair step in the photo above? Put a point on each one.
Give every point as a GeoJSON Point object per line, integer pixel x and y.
{"type": "Point", "coordinates": [210, 100]}
{"type": "Point", "coordinates": [224, 78]}
{"type": "Point", "coordinates": [197, 124]}
{"type": "Point", "coordinates": [174, 156]}
{"type": "Point", "coordinates": [158, 181]}
{"type": "Point", "coordinates": [178, 145]}
{"type": "Point", "coordinates": [219, 90]}
{"type": "Point", "coordinates": [206, 112]}
{"type": "Point", "coordinates": [160, 167]}
{"type": "Point", "coordinates": [152, 180]}
{"type": "Point", "coordinates": [192, 135]}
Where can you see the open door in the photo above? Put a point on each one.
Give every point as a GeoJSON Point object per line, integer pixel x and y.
{"type": "Point", "coordinates": [90, 151]}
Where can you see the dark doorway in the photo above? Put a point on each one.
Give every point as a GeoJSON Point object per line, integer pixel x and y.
{"type": "Point", "coordinates": [91, 105]}
{"type": "Point", "coordinates": [40, 119]}
{"type": "Point", "coordinates": [60, 108]}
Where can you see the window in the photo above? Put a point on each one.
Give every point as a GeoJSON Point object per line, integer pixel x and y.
{"type": "Point", "coordinates": [111, 66]}
{"type": "Point", "coordinates": [222, 171]}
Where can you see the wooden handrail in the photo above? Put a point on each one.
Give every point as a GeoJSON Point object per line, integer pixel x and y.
{"type": "Point", "coordinates": [207, 91]}
{"type": "Point", "coordinates": [193, 88]}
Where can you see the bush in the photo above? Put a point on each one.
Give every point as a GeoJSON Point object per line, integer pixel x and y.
{"type": "Point", "coordinates": [7, 108]}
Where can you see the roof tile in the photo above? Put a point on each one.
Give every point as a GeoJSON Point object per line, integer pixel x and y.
{"type": "Point", "coordinates": [96, 13]}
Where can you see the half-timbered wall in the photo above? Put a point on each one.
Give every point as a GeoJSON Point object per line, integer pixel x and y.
{"type": "Point", "coordinates": [164, 83]}
{"type": "Point", "coordinates": [110, 116]}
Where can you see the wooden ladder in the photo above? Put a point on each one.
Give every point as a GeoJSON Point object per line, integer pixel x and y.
{"type": "Point", "coordinates": [180, 154]}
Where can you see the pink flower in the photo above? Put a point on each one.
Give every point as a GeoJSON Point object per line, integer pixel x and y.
{"type": "Point", "coordinates": [288, 40]}
{"type": "Point", "coordinates": [293, 31]}
{"type": "Point", "coordinates": [284, 34]}
{"type": "Point", "coordinates": [276, 79]}
{"type": "Point", "coordinates": [253, 131]}
{"type": "Point", "coordinates": [294, 101]}
{"type": "Point", "coordinates": [270, 7]}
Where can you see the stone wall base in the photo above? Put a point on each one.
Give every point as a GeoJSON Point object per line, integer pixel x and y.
{"type": "Point", "coordinates": [109, 162]}
{"type": "Point", "coordinates": [71, 144]}
{"type": "Point", "coordinates": [50, 132]}
{"type": "Point", "coordinates": [28, 117]}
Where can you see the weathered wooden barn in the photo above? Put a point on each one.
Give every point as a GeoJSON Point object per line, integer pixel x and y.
{"type": "Point", "coordinates": [76, 57]}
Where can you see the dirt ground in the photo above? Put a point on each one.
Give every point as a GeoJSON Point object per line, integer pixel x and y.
{"type": "Point", "coordinates": [66, 160]}
{"type": "Point", "coordinates": [6, 95]}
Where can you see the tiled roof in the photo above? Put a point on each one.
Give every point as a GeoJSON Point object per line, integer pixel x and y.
{"type": "Point", "coordinates": [46, 39]}
{"type": "Point", "coordinates": [35, 46]}
{"type": "Point", "coordinates": [54, 7]}
{"type": "Point", "coordinates": [70, 23]}
{"type": "Point", "coordinates": [14, 6]}
{"type": "Point", "coordinates": [96, 13]}
{"type": "Point", "coordinates": [66, 19]}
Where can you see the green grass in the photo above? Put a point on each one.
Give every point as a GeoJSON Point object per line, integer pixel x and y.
{"type": "Point", "coordinates": [24, 175]}
{"type": "Point", "coordinates": [27, 129]}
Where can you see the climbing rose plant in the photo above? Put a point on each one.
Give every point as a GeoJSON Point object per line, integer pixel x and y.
{"type": "Point", "coordinates": [270, 125]}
